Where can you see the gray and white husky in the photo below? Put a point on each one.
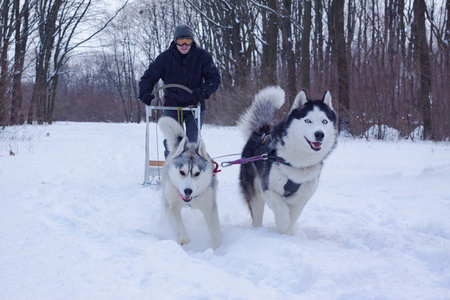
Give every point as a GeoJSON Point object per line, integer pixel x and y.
{"type": "Point", "coordinates": [293, 151]}
{"type": "Point", "coordinates": [188, 180]}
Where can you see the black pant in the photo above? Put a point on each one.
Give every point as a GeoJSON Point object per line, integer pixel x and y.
{"type": "Point", "coordinates": [189, 121]}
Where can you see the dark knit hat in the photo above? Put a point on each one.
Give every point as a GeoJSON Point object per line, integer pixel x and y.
{"type": "Point", "coordinates": [183, 31]}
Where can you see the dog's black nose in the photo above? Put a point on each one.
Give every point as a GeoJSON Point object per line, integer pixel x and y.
{"type": "Point", "coordinates": [319, 136]}
{"type": "Point", "coordinates": [187, 192]}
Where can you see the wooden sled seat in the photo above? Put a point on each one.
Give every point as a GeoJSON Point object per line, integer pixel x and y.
{"type": "Point", "coordinates": [156, 163]}
{"type": "Point", "coordinates": [155, 168]}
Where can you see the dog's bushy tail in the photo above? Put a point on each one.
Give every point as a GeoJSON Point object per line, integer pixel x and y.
{"type": "Point", "coordinates": [173, 132]}
{"type": "Point", "coordinates": [261, 115]}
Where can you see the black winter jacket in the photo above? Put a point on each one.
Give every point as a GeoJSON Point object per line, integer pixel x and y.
{"type": "Point", "coordinates": [195, 70]}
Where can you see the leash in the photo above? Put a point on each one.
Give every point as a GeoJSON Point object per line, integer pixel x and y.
{"type": "Point", "coordinates": [267, 144]}
{"type": "Point", "coordinates": [244, 160]}
{"type": "Point", "coordinates": [235, 154]}
{"type": "Point", "coordinates": [265, 156]}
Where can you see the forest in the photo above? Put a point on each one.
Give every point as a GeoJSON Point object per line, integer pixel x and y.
{"type": "Point", "coordinates": [386, 63]}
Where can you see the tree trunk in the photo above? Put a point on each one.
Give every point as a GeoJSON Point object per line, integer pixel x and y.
{"type": "Point", "coordinates": [48, 14]}
{"type": "Point", "coordinates": [269, 59]}
{"type": "Point", "coordinates": [52, 98]}
{"type": "Point", "coordinates": [318, 46]}
{"type": "Point", "coordinates": [447, 38]}
{"type": "Point", "coordinates": [306, 61]}
{"type": "Point", "coordinates": [241, 72]}
{"type": "Point", "coordinates": [288, 50]}
{"type": "Point", "coordinates": [423, 59]}
{"type": "Point", "coordinates": [340, 51]}
{"type": "Point", "coordinates": [5, 35]}
{"type": "Point", "coordinates": [22, 32]}
{"type": "Point", "coordinates": [401, 35]}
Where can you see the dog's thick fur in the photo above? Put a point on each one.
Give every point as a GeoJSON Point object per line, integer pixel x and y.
{"type": "Point", "coordinates": [188, 180]}
{"type": "Point", "coordinates": [296, 146]}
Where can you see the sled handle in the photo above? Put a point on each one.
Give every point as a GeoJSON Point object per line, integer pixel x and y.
{"type": "Point", "coordinates": [172, 85]}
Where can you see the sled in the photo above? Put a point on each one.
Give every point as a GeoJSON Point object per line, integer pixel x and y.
{"type": "Point", "coordinates": [153, 168]}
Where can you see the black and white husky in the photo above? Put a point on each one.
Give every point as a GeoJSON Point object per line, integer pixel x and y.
{"type": "Point", "coordinates": [293, 151]}
{"type": "Point", "coordinates": [188, 180]}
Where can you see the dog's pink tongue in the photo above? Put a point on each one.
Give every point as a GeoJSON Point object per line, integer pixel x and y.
{"type": "Point", "coordinates": [184, 198]}
{"type": "Point", "coordinates": [316, 145]}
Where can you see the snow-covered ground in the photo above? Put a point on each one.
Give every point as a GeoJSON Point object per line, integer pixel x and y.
{"type": "Point", "coordinates": [76, 223]}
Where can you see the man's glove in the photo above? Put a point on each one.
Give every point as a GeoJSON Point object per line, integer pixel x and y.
{"type": "Point", "coordinates": [147, 98]}
{"type": "Point", "coordinates": [198, 95]}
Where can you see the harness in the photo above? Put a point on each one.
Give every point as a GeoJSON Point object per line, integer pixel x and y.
{"type": "Point", "coordinates": [216, 168]}
{"type": "Point", "coordinates": [267, 146]}
{"type": "Point", "coordinates": [291, 188]}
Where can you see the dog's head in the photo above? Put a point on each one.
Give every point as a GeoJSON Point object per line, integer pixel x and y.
{"type": "Point", "coordinates": [191, 170]}
{"type": "Point", "coordinates": [189, 167]}
{"type": "Point", "coordinates": [311, 126]}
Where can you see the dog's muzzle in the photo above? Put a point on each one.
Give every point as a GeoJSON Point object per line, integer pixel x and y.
{"type": "Point", "coordinates": [186, 198]}
{"type": "Point", "coordinates": [316, 146]}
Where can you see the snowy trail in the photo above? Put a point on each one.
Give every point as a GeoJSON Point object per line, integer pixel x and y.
{"type": "Point", "coordinates": [75, 223]}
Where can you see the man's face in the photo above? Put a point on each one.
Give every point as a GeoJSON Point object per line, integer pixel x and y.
{"type": "Point", "coordinates": [184, 44]}
{"type": "Point", "coordinates": [184, 49]}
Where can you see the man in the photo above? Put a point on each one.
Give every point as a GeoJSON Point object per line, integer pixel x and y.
{"type": "Point", "coordinates": [186, 64]}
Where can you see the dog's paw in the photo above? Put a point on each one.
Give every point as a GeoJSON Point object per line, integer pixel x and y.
{"type": "Point", "coordinates": [282, 225]}
{"type": "Point", "coordinates": [183, 238]}
{"type": "Point", "coordinates": [216, 238]}
{"type": "Point", "coordinates": [216, 244]}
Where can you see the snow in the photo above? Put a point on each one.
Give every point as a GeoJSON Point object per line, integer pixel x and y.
{"type": "Point", "coordinates": [76, 223]}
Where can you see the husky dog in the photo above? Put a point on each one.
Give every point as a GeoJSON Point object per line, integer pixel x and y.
{"type": "Point", "coordinates": [293, 152]}
{"type": "Point", "coordinates": [188, 180]}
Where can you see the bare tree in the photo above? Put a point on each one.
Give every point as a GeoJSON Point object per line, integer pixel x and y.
{"type": "Point", "coordinates": [58, 24]}
{"type": "Point", "coordinates": [22, 32]}
{"type": "Point", "coordinates": [121, 70]}
{"type": "Point", "coordinates": [423, 60]}
{"type": "Point", "coordinates": [47, 15]}
{"type": "Point", "coordinates": [288, 53]}
{"type": "Point", "coordinates": [318, 48]}
{"type": "Point", "coordinates": [6, 30]}
{"type": "Point", "coordinates": [363, 51]}
{"type": "Point", "coordinates": [233, 38]}
{"type": "Point", "coordinates": [340, 51]}
{"type": "Point", "coordinates": [270, 42]}
{"type": "Point", "coordinates": [447, 26]}
{"type": "Point", "coordinates": [305, 51]}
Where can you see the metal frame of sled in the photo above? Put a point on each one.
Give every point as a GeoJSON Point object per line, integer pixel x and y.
{"type": "Point", "coordinates": [153, 168]}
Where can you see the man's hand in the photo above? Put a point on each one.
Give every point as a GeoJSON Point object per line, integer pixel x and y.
{"type": "Point", "coordinates": [198, 95]}
{"type": "Point", "coordinates": [147, 98]}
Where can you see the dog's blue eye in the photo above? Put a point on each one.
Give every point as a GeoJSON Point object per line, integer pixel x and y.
{"type": "Point", "coordinates": [182, 173]}
{"type": "Point", "coordinates": [308, 121]}
{"type": "Point", "coordinates": [324, 122]}
{"type": "Point", "coordinates": [197, 174]}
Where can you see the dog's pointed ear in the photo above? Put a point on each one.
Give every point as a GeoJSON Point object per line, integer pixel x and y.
{"type": "Point", "coordinates": [180, 147]}
{"type": "Point", "coordinates": [327, 99]}
{"type": "Point", "coordinates": [201, 149]}
{"type": "Point", "coordinates": [299, 100]}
